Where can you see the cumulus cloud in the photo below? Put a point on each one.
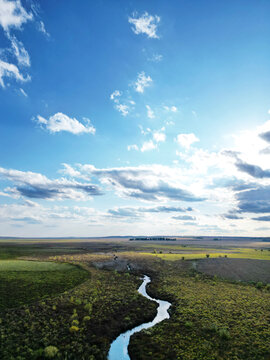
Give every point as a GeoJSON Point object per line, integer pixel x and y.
{"type": "Point", "coordinates": [142, 82]}
{"type": "Point", "coordinates": [145, 24]}
{"type": "Point", "coordinates": [37, 186]}
{"type": "Point", "coordinates": [148, 183]}
{"type": "Point", "coordinates": [253, 170]}
{"type": "Point", "coordinates": [159, 136]}
{"type": "Point", "coordinates": [148, 145]}
{"type": "Point", "coordinates": [61, 122]}
{"type": "Point", "coordinates": [254, 200]}
{"type": "Point", "coordinates": [186, 140]}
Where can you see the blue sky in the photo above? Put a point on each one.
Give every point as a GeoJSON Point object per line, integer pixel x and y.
{"type": "Point", "coordinates": [134, 117]}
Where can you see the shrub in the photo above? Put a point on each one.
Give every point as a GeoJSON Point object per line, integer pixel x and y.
{"type": "Point", "coordinates": [259, 285]}
{"type": "Point", "coordinates": [189, 324]}
{"type": "Point", "coordinates": [207, 255]}
{"type": "Point", "coordinates": [213, 327]}
{"type": "Point", "coordinates": [50, 351]}
{"type": "Point", "coordinates": [86, 318]}
{"type": "Point", "coordinates": [74, 329]}
{"type": "Point", "coordinates": [88, 307]}
{"type": "Point", "coordinates": [224, 333]}
{"type": "Point", "coordinates": [183, 258]}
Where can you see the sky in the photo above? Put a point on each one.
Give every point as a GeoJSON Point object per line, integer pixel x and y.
{"type": "Point", "coordinates": [134, 118]}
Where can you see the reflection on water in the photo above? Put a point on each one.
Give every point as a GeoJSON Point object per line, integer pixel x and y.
{"type": "Point", "coordinates": [119, 347]}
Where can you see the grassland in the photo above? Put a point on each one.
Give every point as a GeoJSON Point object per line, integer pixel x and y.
{"type": "Point", "coordinates": [65, 306]}
{"type": "Point", "coordinates": [211, 319]}
{"type": "Point", "coordinates": [23, 282]}
{"type": "Point", "coordinates": [189, 253]}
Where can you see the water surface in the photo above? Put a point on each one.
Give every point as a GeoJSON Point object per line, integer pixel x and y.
{"type": "Point", "coordinates": [119, 347]}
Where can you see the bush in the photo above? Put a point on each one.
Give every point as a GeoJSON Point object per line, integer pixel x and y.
{"type": "Point", "coordinates": [74, 329]}
{"type": "Point", "coordinates": [259, 285]}
{"type": "Point", "coordinates": [224, 333]}
{"type": "Point", "coordinates": [50, 351]}
{"type": "Point", "coordinates": [207, 255]}
{"type": "Point", "coordinates": [189, 324]}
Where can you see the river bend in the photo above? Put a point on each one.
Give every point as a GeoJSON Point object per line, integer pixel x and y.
{"type": "Point", "coordinates": [119, 347]}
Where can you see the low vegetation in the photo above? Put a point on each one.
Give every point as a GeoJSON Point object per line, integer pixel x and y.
{"type": "Point", "coordinates": [61, 306]}
{"type": "Point", "coordinates": [211, 319]}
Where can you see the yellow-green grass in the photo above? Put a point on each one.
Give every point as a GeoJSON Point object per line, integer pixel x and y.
{"type": "Point", "coordinates": [238, 253]}
{"type": "Point", "coordinates": [25, 265]}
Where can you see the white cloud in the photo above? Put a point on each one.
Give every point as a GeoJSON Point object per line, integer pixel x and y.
{"type": "Point", "coordinates": [142, 82]}
{"type": "Point", "coordinates": [33, 185]}
{"type": "Point", "coordinates": [159, 136]}
{"type": "Point", "coordinates": [171, 108]}
{"type": "Point", "coordinates": [133, 147]}
{"type": "Point", "coordinates": [61, 122]}
{"type": "Point", "coordinates": [10, 71]}
{"type": "Point", "coordinates": [13, 14]}
{"type": "Point", "coordinates": [115, 94]}
{"type": "Point", "coordinates": [123, 109]}
{"type": "Point", "coordinates": [186, 140]}
{"type": "Point", "coordinates": [156, 58]}
{"type": "Point", "coordinates": [23, 92]}
{"type": "Point", "coordinates": [145, 24]}
{"type": "Point", "coordinates": [148, 145]}
{"type": "Point", "coordinates": [150, 112]}
{"type": "Point", "coordinates": [41, 28]}
{"type": "Point", "coordinates": [19, 52]}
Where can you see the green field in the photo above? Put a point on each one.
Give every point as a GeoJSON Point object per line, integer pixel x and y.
{"type": "Point", "coordinates": [23, 282]}
{"type": "Point", "coordinates": [199, 253]}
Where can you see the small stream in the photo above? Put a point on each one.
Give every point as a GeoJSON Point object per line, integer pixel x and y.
{"type": "Point", "coordinates": [119, 347]}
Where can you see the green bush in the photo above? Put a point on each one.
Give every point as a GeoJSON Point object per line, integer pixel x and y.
{"type": "Point", "coordinates": [259, 285]}
{"type": "Point", "coordinates": [50, 351]}
{"type": "Point", "coordinates": [224, 333]}
{"type": "Point", "coordinates": [74, 329]}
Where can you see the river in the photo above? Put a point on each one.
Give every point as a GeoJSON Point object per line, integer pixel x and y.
{"type": "Point", "coordinates": [119, 347]}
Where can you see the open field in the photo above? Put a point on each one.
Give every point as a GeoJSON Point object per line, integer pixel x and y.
{"type": "Point", "coordinates": [78, 301]}
{"type": "Point", "coordinates": [236, 269]}
{"type": "Point", "coordinates": [23, 282]}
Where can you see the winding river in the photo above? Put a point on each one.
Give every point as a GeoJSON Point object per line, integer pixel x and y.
{"type": "Point", "coordinates": [119, 347]}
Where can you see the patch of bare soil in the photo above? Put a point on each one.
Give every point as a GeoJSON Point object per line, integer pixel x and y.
{"type": "Point", "coordinates": [236, 269]}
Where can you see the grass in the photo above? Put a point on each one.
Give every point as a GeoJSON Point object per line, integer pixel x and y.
{"type": "Point", "coordinates": [23, 282]}
{"type": "Point", "coordinates": [24, 265]}
{"type": "Point", "coordinates": [236, 253]}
